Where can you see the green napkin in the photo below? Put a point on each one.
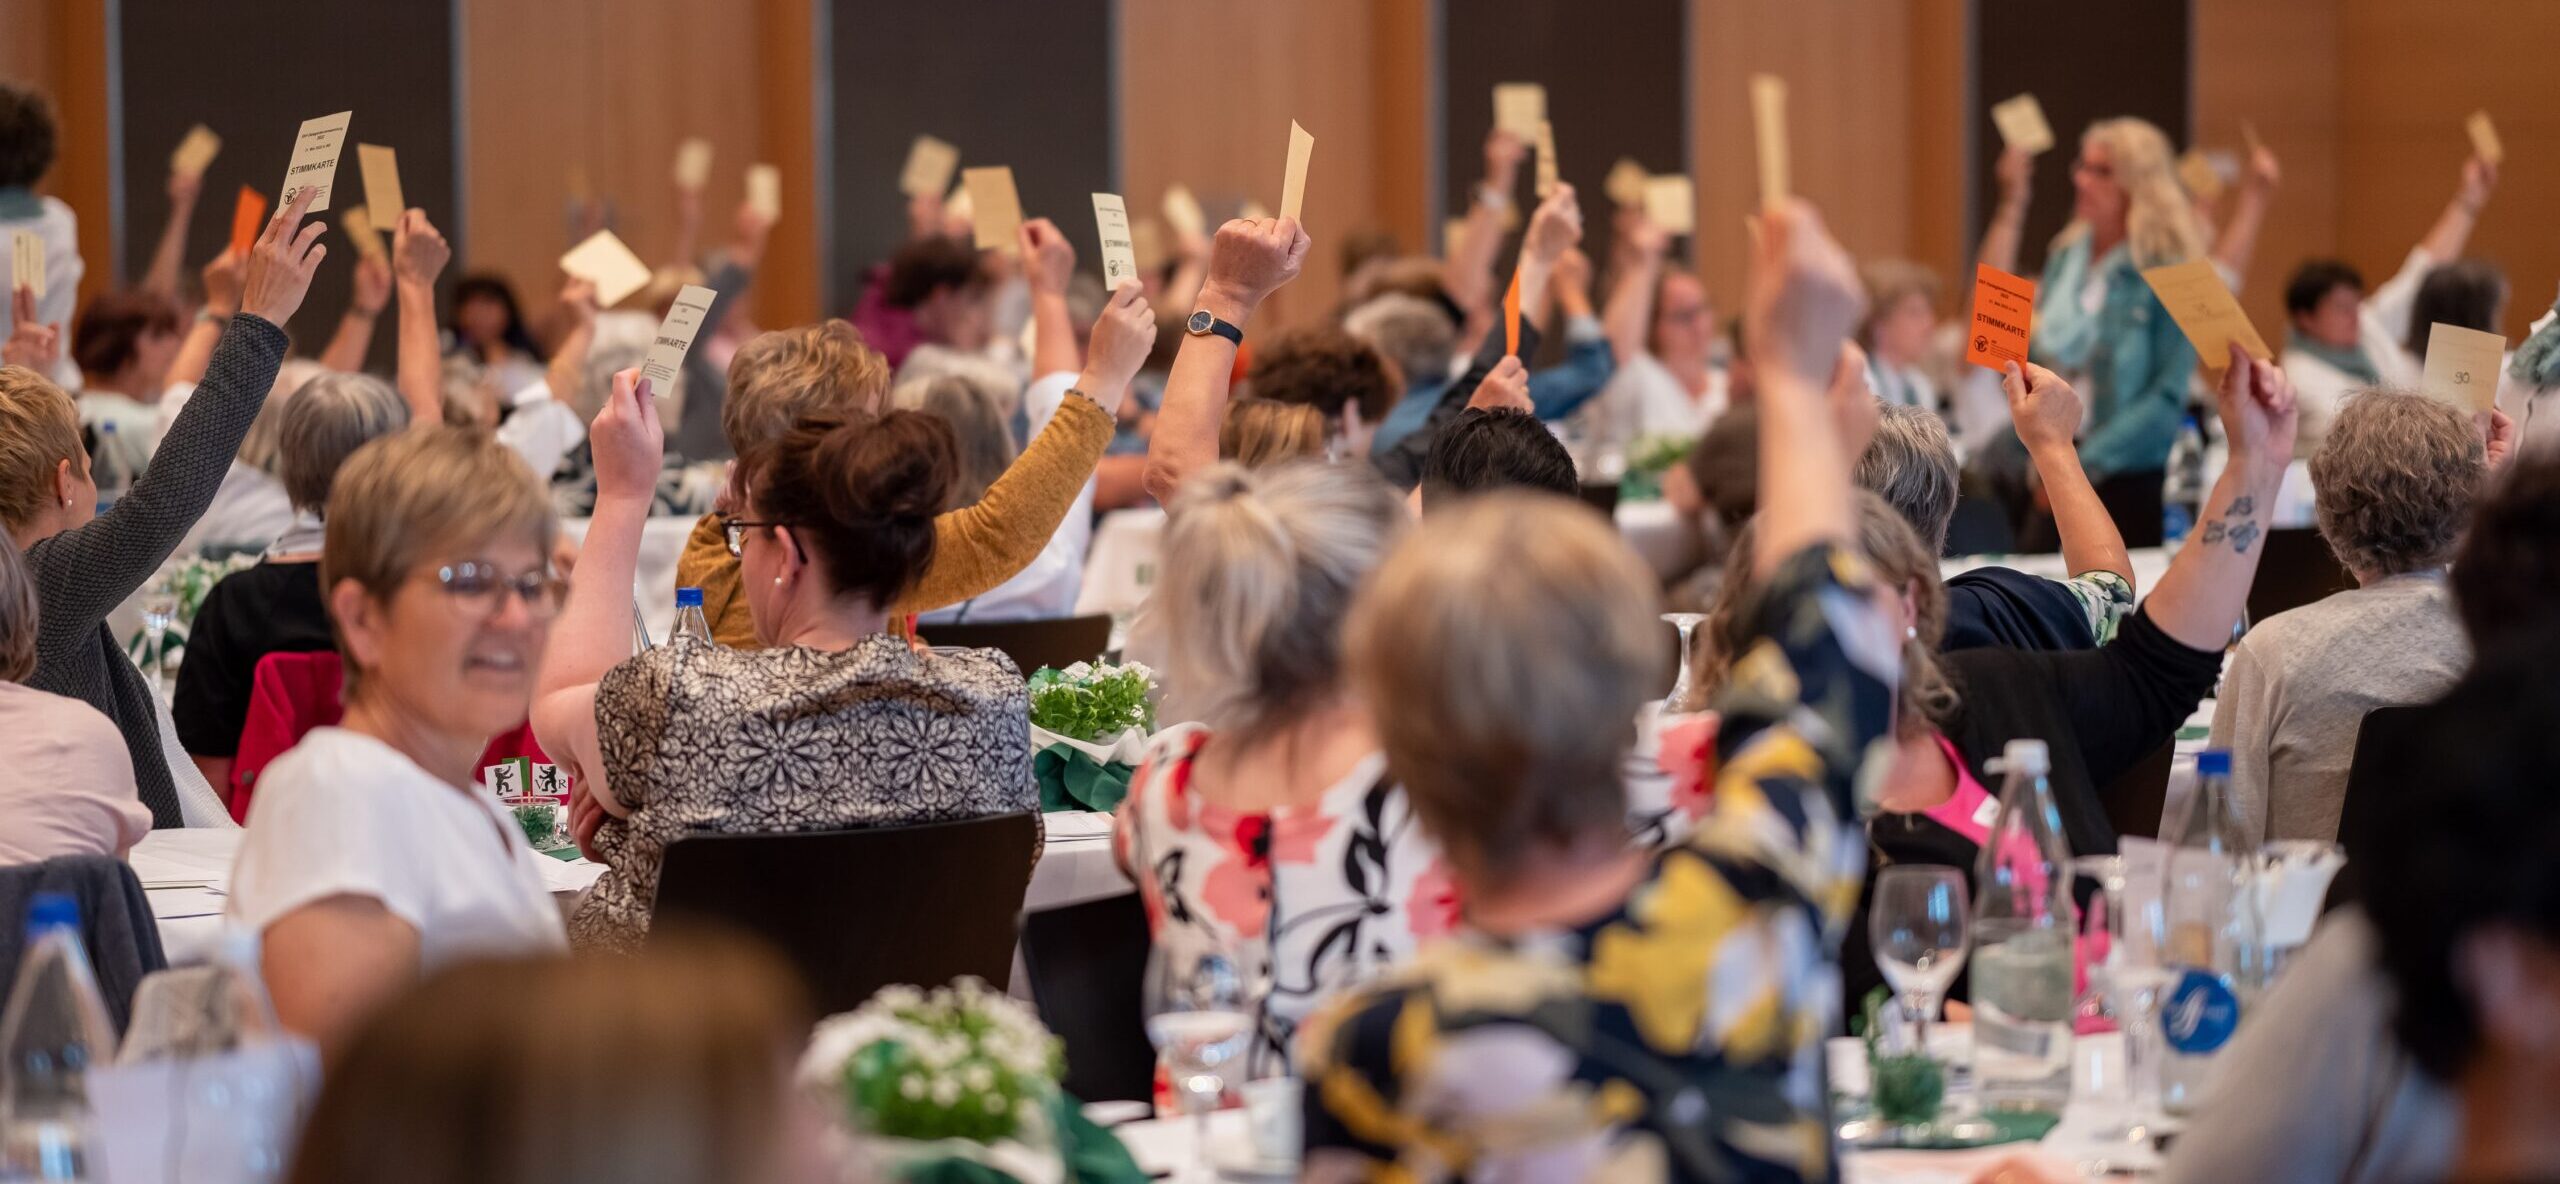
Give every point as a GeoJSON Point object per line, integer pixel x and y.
{"type": "Point", "coordinates": [1070, 780]}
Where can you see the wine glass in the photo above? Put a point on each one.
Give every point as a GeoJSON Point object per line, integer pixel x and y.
{"type": "Point", "coordinates": [159, 612]}
{"type": "Point", "coordinates": [1917, 925]}
{"type": "Point", "coordinates": [1199, 1007]}
{"type": "Point", "coordinates": [1685, 697]}
{"type": "Point", "coordinates": [2134, 973]}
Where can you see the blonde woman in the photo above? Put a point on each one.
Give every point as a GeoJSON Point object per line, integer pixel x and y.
{"type": "Point", "coordinates": [2097, 322]}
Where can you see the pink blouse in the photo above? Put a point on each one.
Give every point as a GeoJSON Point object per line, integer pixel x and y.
{"type": "Point", "coordinates": [66, 780]}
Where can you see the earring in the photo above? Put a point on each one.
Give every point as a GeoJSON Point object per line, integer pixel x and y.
{"type": "Point", "coordinates": [1911, 631]}
{"type": "Point", "coordinates": [777, 581]}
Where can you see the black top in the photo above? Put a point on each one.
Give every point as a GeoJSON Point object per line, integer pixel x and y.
{"type": "Point", "coordinates": [273, 608]}
{"type": "Point", "coordinates": [82, 574]}
{"type": "Point", "coordinates": [2002, 606]}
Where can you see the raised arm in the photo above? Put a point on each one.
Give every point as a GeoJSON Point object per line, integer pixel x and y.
{"type": "Point", "coordinates": [2452, 230]}
{"type": "Point", "coordinates": [221, 303]}
{"type": "Point", "coordinates": [1470, 265]}
{"type": "Point", "coordinates": [354, 338]}
{"type": "Point", "coordinates": [2016, 173]}
{"type": "Point", "coordinates": [1628, 314]}
{"type": "Point", "coordinates": [170, 255]}
{"type": "Point", "coordinates": [1802, 300]}
{"type": "Point", "coordinates": [418, 256]}
{"type": "Point", "coordinates": [2200, 597]}
{"type": "Point", "coordinates": [2046, 412]}
{"type": "Point", "coordinates": [2238, 241]}
{"type": "Point", "coordinates": [1048, 263]}
{"type": "Point", "coordinates": [1190, 270]}
{"type": "Point", "coordinates": [593, 634]}
{"type": "Point", "coordinates": [1553, 230]}
{"type": "Point", "coordinates": [1247, 262]}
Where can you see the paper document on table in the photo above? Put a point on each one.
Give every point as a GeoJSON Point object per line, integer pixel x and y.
{"type": "Point", "coordinates": [675, 337]}
{"type": "Point", "coordinates": [1119, 249]}
{"type": "Point", "coordinates": [928, 169]}
{"type": "Point", "coordinates": [315, 160]}
{"type": "Point", "coordinates": [2463, 366]}
{"type": "Point", "coordinates": [383, 201]}
{"type": "Point", "coordinates": [603, 261]}
{"type": "Point", "coordinates": [2022, 124]}
{"type": "Point", "coordinates": [2206, 312]}
{"type": "Point", "coordinates": [996, 208]}
{"type": "Point", "coordinates": [2004, 314]}
{"type": "Point", "coordinates": [195, 152]}
{"type": "Point", "coordinates": [1293, 182]}
{"type": "Point", "coordinates": [1076, 824]}
{"type": "Point", "coordinates": [1519, 107]}
{"type": "Point", "coordinates": [196, 900]}
{"type": "Point", "coordinates": [1671, 203]}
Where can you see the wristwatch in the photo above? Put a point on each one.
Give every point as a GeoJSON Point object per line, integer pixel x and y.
{"type": "Point", "coordinates": [1205, 322]}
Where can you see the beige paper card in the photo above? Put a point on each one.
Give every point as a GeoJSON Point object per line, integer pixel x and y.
{"type": "Point", "coordinates": [359, 227]}
{"type": "Point", "coordinates": [26, 262]}
{"type": "Point", "coordinates": [1519, 107]}
{"type": "Point", "coordinates": [997, 208]}
{"type": "Point", "coordinates": [1119, 247]}
{"type": "Point", "coordinates": [1671, 203]}
{"type": "Point", "coordinates": [2206, 312]}
{"type": "Point", "coordinates": [1293, 183]}
{"type": "Point", "coordinates": [1253, 211]}
{"type": "Point", "coordinates": [195, 152]}
{"type": "Point", "coordinates": [1182, 211]}
{"type": "Point", "coordinates": [675, 336]}
{"type": "Point", "coordinates": [2484, 138]}
{"type": "Point", "coordinates": [2463, 365]}
{"type": "Point", "coordinates": [1146, 245]}
{"type": "Point", "coordinates": [764, 191]}
{"type": "Point", "coordinates": [2022, 124]}
{"type": "Point", "coordinates": [382, 199]}
{"type": "Point", "coordinates": [315, 160]}
{"type": "Point", "coordinates": [693, 164]}
{"type": "Point", "coordinates": [1546, 158]}
{"type": "Point", "coordinates": [1769, 121]}
{"type": "Point", "coordinates": [1626, 182]}
{"type": "Point", "coordinates": [2196, 172]}
{"type": "Point", "coordinates": [603, 261]}
{"type": "Point", "coordinates": [929, 165]}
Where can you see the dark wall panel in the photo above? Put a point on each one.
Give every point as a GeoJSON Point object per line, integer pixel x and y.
{"type": "Point", "coordinates": [2085, 62]}
{"type": "Point", "coordinates": [253, 70]}
{"type": "Point", "coordinates": [1031, 86]}
{"type": "Point", "coordinates": [1616, 86]}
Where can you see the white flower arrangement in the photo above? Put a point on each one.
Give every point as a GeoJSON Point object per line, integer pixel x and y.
{"type": "Point", "coordinates": [961, 1070]}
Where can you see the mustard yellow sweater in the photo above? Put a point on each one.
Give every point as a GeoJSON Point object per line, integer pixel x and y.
{"type": "Point", "coordinates": [974, 549]}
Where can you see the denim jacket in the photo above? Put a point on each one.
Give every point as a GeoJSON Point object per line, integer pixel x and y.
{"type": "Point", "coordinates": [2137, 361]}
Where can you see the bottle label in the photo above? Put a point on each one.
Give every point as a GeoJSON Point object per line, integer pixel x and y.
{"type": "Point", "coordinates": [2201, 1013]}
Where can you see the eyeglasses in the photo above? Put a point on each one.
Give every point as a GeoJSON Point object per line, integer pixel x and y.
{"type": "Point", "coordinates": [736, 529]}
{"type": "Point", "coordinates": [482, 588]}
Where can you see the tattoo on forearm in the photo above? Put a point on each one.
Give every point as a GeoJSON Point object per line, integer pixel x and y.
{"type": "Point", "coordinates": [2235, 526]}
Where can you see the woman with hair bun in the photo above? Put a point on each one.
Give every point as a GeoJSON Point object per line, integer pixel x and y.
{"type": "Point", "coordinates": [836, 723]}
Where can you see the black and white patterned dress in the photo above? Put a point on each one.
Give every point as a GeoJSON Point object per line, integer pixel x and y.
{"type": "Point", "coordinates": [699, 739]}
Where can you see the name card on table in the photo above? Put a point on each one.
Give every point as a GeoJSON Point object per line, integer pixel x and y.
{"type": "Point", "coordinates": [315, 160]}
{"type": "Point", "coordinates": [1546, 159]}
{"type": "Point", "coordinates": [1119, 246]}
{"type": "Point", "coordinates": [2206, 312]}
{"type": "Point", "coordinates": [1519, 107]}
{"type": "Point", "coordinates": [2484, 138]}
{"type": "Point", "coordinates": [928, 169]}
{"type": "Point", "coordinates": [360, 229]}
{"type": "Point", "coordinates": [1671, 203]}
{"type": "Point", "coordinates": [604, 261]}
{"type": "Point", "coordinates": [997, 208]}
{"type": "Point", "coordinates": [764, 191]}
{"type": "Point", "coordinates": [1769, 122]}
{"type": "Point", "coordinates": [1625, 185]}
{"type": "Point", "coordinates": [2004, 314]}
{"type": "Point", "coordinates": [2022, 124]}
{"type": "Point", "coordinates": [1182, 210]}
{"type": "Point", "coordinates": [675, 337]}
{"type": "Point", "coordinates": [1293, 183]}
{"type": "Point", "coordinates": [195, 152]}
{"type": "Point", "coordinates": [693, 164]}
{"type": "Point", "coordinates": [383, 201]}
{"type": "Point", "coordinates": [2463, 365]}
{"type": "Point", "coordinates": [248, 219]}
{"type": "Point", "coordinates": [26, 263]}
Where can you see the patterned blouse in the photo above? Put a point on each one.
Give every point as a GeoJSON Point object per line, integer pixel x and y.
{"type": "Point", "coordinates": [1679, 1037]}
{"type": "Point", "coordinates": [700, 739]}
{"type": "Point", "coordinates": [1329, 893]}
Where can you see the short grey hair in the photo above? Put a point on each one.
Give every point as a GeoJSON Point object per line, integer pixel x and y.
{"type": "Point", "coordinates": [1414, 333]}
{"type": "Point", "coordinates": [323, 424]}
{"type": "Point", "coordinates": [2394, 481]}
{"type": "Point", "coordinates": [978, 426]}
{"type": "Point", "coordinates": [1912, 464]}
{"type": "Point", "coordinates": [263, 448]}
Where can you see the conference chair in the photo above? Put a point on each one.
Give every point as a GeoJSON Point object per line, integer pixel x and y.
{"type": "Point", "coordinates": [2385, 729]}
{"type": "Point", "coordinates": [1056, 641]}
{"type": "Point", "coordinates": [2138, 796]}
{"type": "Point", "coordinates": [2297, 569]}
{"type": "Point", "coordinates": [1088, 968]}
{"type": "Point", "coordinates": [858, 910]}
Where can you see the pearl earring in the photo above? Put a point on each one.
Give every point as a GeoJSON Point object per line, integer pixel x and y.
{"type": "Point", "coordinates": [777, 581]}
{"type": "Point", "coordinates": [1911, 631]}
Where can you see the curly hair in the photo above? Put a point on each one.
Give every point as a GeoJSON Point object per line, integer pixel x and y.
{"type": "Point", "coordinates": [2396, 477]}
{"type": "Point", "coordinates": [26, 136]}
{"type": "Point", "coordinates": [1325, 368]}
{"type": "Point", "coordinates": [2506, 576]}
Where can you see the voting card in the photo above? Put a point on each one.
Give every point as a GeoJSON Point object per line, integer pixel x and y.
{"type": "Point", "coordinates": [1546, 159]}
{"type": "Point", "coordinates": [383, 201]}
{"type": "Point", "coordinates": [2463, 366]}
{"type": "Point", "coordinates": [360, 229]}
{"type": "Point", "coordinates": [928, 170]}
{"type": "Point", "coordinates": [1769, 121]}
{"type": "Point", "coordinates": [1119, 248]}
{"type": "Point", "coordinates": [2484, 138]}
{"type": "Point", "coordinates": [248, 220]}
{"type": "Point", "coordinates": [693, 164]}
{"type": "Point", "coordinates": [665, 358]}
{"type": "Point", "coordinates": [1519, 107]}
{"type": "Point", "coordinates": [1625, 185]}
{"type": "Point", "coordinates": [764, 191]}
{"type": "Point", "coordinates": [195, 152]}
{"type": "Point", "coordinates": [2004, 314]}
{"type": "Point", "coordinates": [997, 208]}
{"type": "Point", "coordinates": [2206, 312]}
{"type": "Point", "coordinates": [2022, 124]}
{"type": "Point", "coordinates": [604, 261]}
{"type": "Point", "coordinates": [315, 160]}
{"type": "Point", "coordinates": [1293, 183]}
{"type": "Point", "coordinates": [1671, 203]}
{"type": "Point", "coordinates": [26, 263]}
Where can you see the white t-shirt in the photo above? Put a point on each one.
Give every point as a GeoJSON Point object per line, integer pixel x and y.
{"type": "Point", "coordinates": [344, 814]}
{"type": "Point", "coordinates": [1644, 398]}
{"type": "Point", "coordinates": [1049, 585]}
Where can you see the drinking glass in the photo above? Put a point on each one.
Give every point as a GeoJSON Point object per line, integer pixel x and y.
{"type": "Point", "coordinates": [1917, 925]}
{"type": "Point", "coordinates": [1199, 1008]}
{"type": "Point", "coordinates": [2133, 974]}
{"type": "Point", "coordinates": [1685, 698]}
{"type": "Point", "coordinates": [159, 613]}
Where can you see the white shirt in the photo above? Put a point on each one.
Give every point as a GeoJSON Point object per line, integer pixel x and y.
{"type": "Point", "coordinates": [2381, 321]}
{"type": "Point", "coordinates": [1644, 398]}
{"type": "Point", "coordinates": [1048, 586]}
{"type": "Point", "coordinates": [543, 430]}
{"type": "Point", "coordinates": [63, 269]}
{"type": "Point", "coordinates": [248, 512]}
{"type": "Point", "coordinates": [344, 814]}
{"type": "Point", "coordinates": [137, 427]}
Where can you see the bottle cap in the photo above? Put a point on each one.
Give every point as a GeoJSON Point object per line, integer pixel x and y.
{"type": "Point", "coordinates": [2027, 757]}
{"type": "Point", "coordinates": [688, 598]}
{"type": "Point", "coordinates": [50, 911]}
{"type": "Point", "coordinates": [2213, 762]}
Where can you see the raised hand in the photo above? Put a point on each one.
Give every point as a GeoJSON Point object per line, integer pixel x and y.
{"type": "Point", "coordinates": [418, 249]}
{"type": "Point", "coordinates": [2479, 179]}
{"type": "Point", "coordinates": [1855, 412]}
{"type": "Point", "coordinates": [1249, 260]}
{"type": "Point", "coordinates": [373, 285]}
{"type": "Point", "coordinates": [1503, 153]}
{"type": "Point", "coordinates": [1640, 238]}
{"type": "Point", "coordinates": [1801, 299]}
{"type": "Point", "coordinates": [2044, 407]}
{"type": "Point", "coordinates": [2498, 433]}
{"type": "Point", "coordinates": [184, 188]}
{"type": "Point", "coordinates": [2264, 171]}
{"type": "Point", "coordinates": [1048, 259]}
{"type": "Point", "coordinates": [222, 283]}
{"type": "Point", "coordinates": [2015, 172]}
{"type": "Point", "coordinates": [629, 445]}
{"type": "Point", "coordinates": [2256, 402]}
{"type": "Point", "coordinates": [1555, 227]}
{"type": "Point", "coordinates": [32, 343]}
{"type": "Point", "coordinates": [1506, 388]}
{"type": "Point", "coordinates": [578, 302]}
{"type": "Point", "coordinates": [280, 265]}
{"type": "Point", "coordinates": [1122, 338]}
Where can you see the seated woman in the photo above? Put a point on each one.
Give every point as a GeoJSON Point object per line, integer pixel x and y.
{"type": "Point", "coordinates": [86, 563]}
{"type": "Point", "coordinates": [373, 855]}
{"type": "Point", "coordinates": [1608, 1012]}
{"type": "Point", "coordinates": [834, 722]}
{"type": "Point", "coordinates": [1260, 432]}
{"type": "Point", "coordinates": [1270, 826]}
{"type": "Point", "coordinates": [278, 606]}
{"type": "Point", "coordinates": [70, 785]}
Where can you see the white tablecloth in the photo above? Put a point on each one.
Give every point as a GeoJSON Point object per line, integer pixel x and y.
{"type": "Point", "coordinates": [661, 543]}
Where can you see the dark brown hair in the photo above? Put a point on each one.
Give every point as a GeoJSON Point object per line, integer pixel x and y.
{"type": "Point", "coordinates": [666, 1067]}
{"type": "Point", "coordinates": [26, 136]}
{"type": "Point", "coordinates": [2506, 574]}
{"type": "Point", "coordinates": [1325, 367]}
{"type": "Point", "coordinates": [862, 492]}
{"type": "Point", "coordinates": [927, 265]}
{"type": "Point", "coordinates": [109, 331]}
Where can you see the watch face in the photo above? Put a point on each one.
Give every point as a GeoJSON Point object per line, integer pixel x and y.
{"type": "Point", "coordinates": [1202, 322]}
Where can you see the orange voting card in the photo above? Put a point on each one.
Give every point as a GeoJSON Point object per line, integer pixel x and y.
{"type": "Point", "coordinates": [1511, 317]}
{"type": "Point", "coordinates": [2004, 313]}
{"type": "Point", "coordinates": [247, 219]}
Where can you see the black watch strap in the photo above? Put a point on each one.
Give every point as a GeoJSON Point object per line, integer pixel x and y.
{"type": "Point", "coordinates": [1204, 322]}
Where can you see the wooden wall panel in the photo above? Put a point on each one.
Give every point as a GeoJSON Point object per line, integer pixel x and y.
{"type": "Point", "coordinates": [2293, 98]}
{"type": "Point", "coordinates": [1941, 133]}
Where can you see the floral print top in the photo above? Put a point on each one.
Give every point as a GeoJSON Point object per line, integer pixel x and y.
{"type": "Point", "coordinates": [1313, 898]}
{"type": "Point", "coordinates": [1679, 1037]}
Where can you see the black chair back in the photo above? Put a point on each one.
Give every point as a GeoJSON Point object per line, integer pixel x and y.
{"type": "Point", "coordinates": [2297, 569]}
{"type": "Point", "coordinates": [1055, 641]}
{"type": "Point", "coordinates": [2384, 730]}
{"type": "Point", "coordinates": [1088, 968]}
{"type": "Point", "coordinates": [2137, 797]}
{"type": "Point", "coordinates": [116, 925]}
{"type": "Point", "coordinates": [858, 910]}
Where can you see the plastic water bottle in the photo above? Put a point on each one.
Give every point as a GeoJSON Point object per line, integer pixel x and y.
{"type": "Point", "coordinates": [2215, 945]}
{"type": "Point", "coordinates": [689, 619]}
{"type": "Point", "coordinates": [2023, 921]}
{"type": "Point", "coordinates": [2182, 488]}
{"type": "Point", "coordinates": [107, 467]}
{"type": "Point", "coordinates": [55, 1029]}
